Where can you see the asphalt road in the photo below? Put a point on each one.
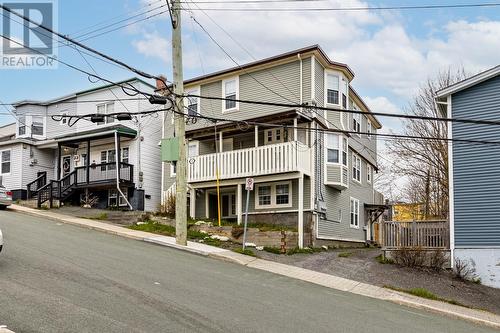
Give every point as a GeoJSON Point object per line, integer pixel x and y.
{"type": "Point", "coordinates": [60, 278]}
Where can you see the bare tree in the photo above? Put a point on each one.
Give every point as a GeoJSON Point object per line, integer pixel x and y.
{"type": "Point", "coordinates": [425, 162]}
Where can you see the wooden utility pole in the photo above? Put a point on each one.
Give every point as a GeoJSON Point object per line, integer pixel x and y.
{"type": "Point", "coordinates": [181, 179]}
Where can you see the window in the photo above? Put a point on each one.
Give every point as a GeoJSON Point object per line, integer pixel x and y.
{"type": "Point", "coordinates": [173, 169]}
{"type": "Point", "coordinates": [83, 159]}
{"type": "Point", "coordinates": [332, 148]}
{"type": "Point", "coordinates": [264, 193]}
{"type": "Point", "coordinates": [125, 155]}
{"type": "Point", "coordinates": [369, 173]}
{"type": "Point", "coordinates": [369, 129]}
{"type": "Point", "coordinates": [193, 149]}
{"type": "Point", "coordinates": [332, 89]}
{"type": "Point", "coordinates": [356, 122]}
{"type": "Point", "coordinates": [5, 162]}
{"type": "Point", "coordinates": [233, 204]}
{"type": "Point", "coordinates": [108, 156]}
{"type": "Point", "coordinates": [193, 103]}
{"type": "Point", "coordinates": [282, 194]}
{"type": "Point", "coordinates": [354, 213]}
{"type": "Point", "coordinates": [276, 135]}
{"type": "Point", "coordinates": [22, 125]}
{"type": "Point", "coordinates": [107, 108]}
{"type": "Point", "coordinates": [114, 197]}
{"type": "Point", "coordinates": [345, 91]}
{"type": "Point", "coordinates": [356, 167]}
{"type": "Point", "coordinates": [345, 147]}
{"type": "Point", "coordinates": [274, 195]}
{"type": "Point", "coordinates": [230, 93]}
{"type": "Point", "coordinates": [37, 125]}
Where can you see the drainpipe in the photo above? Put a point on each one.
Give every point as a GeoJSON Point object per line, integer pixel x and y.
{"type": "Point", "coordinates": [117, 162]}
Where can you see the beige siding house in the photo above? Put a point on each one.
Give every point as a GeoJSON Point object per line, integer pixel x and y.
{"type": "Point", "coordinates": [320, 182]}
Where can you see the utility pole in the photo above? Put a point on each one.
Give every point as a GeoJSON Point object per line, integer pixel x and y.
{"type": "Point", "coordinates": [181, 181]}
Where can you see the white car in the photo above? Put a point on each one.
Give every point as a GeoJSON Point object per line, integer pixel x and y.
{"type": "Point", "coordinates": [5, 198]}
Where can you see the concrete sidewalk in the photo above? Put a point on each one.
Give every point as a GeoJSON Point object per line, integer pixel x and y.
{"type": "Point", "coordinates": [326, 280]}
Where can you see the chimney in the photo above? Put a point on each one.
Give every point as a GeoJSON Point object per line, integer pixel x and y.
{"type": "Point", "coordinates": [160, 83]}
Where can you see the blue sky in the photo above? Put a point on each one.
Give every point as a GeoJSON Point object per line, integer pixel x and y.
{"type": "Point", "coordinates": [391, 52]}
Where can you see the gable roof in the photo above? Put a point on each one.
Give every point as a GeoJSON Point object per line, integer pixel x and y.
{"type": "Point", "coordinates": [464, 84]}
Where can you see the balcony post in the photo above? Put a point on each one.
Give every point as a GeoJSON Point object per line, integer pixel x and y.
{"type": "Point", "coordinates": [221, 145]}
{"type": "Point", "coordinates": [295, 130]}
{"type": "Point", "coordinates": [239, 208]}
{"type": "Point", "coordinates": [192, 203]}
{"type": "Point", "coordinates": [256, 136]}
{"type": "Point", "coordinates": [87, 162]}
{"type": "Point", "coordinates": [58, 161]}
{"type": "Point", "coordinates": [300, 210]}
{"type": "Point", "coordinates": [118, 156]}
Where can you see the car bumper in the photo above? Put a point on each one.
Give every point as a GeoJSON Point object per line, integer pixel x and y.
{"type": "Point", "coordinates": [5, 202]}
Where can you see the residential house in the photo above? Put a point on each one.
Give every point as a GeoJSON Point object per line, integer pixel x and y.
{"type": "Point", "coordinates": [50, 157]}
{"type": "Point", "coordinates": [321, 183]}
{"type": "Point", "coordinates": [474, 186]}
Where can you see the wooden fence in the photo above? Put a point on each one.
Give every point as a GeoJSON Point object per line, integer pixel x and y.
{"type": "Point", "coordinates": [421, 234]}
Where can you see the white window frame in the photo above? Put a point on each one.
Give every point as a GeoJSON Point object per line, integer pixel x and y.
{"type": "Point", "coordinates": [107, 120]}
{"type": "Point", "coordinates": [343, 148]}
{"type": "Point", "coordinates": [42, 118]}
{"type": "Point", "coordinates": [194, 91]}
{"type": "Point", "coordinates": [2, 162]}
{"type": "Point", "coordinates": [356, 166]}
{"type": "Point", "coordinates": [368, 173]}
{"type": "Point", "coordinates": [113, 193]}
{"type": "Point", "coordinates": [369, 128]}
{"type": "Point", "coordinates": [273, 195]}
{"type": "Point", "coordinates": [64, 120]}
{"type": "Point", "coordinates": [354, 213]}
{"type": "Point", "coordinates": [345, 152]}
{"type": "Point", "coordinates": [356, 127]}
{"type": "Point", "coordinates": [339, 77]}
{"type": "Point", "coordinates": [22, 123]}
{"type": "Point", "coordinates": [237, 84]}
{"type": "Point", "coordinates": [338, 148]}
{"type": "Point", "coordinates": [173, 169]}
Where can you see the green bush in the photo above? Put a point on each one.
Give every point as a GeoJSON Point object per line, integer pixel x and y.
{"type": "Point", "coordinates": [275, 250]}
{"type": "Point", "coordinates": [345, 254]}
{"type": "Point", "coordinates": [384, 260]}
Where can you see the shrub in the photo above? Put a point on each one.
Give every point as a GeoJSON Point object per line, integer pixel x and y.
{"type": "Point", "coordinates": [270, 249]}
{"type": "Point", "coordinates": [383, 259]}
{"type": "Point", "coordinates": [89, 200]}
{"type": "Point", "coordinates": [168, 207]}
{"type": "Point", "coordinates": [237, 232]}
{"type": "Point", "coordinates": [437, 260]}
{"type": "Point", "coordinates": [410, 257]}
{"type": "Point", "coordinates": [464, 271]}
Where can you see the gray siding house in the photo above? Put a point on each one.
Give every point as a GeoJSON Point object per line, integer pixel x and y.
{"type": "Point", "coordinates": [46, 153]}
{"type": "Point", "coordinates": [320, 182]}
{"type": "Point", "coordinates": [474, 211]}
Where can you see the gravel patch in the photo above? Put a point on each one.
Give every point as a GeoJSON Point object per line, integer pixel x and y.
{"type": "Point", "coordinates": [362, 266]}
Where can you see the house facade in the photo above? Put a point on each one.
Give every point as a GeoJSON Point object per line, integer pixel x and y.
{"type": "Point", "coordinates": [55, 158]}
{"type": "Point", "coordinates": [319, 182]}
{"type": "Point", "coordinates": [473, 186]}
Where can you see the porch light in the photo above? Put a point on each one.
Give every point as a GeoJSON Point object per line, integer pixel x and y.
{"type": "Point", "coordinates": [97, 118]}
{"type": "Point", "coordinates": [123, 116]}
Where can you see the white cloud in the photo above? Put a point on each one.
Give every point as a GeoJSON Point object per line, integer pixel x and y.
{"type": "Point", "coordinates": [153, 46]}
{"type": "Point", "coordinates": [384, 105]}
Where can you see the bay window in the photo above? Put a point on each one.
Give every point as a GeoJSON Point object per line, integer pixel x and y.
{"type": "Point", "coordinates": [333, 148]}
{"type": "Point", "coordinates": [22, 125]}
{"type": "Point", "coordinates": [345, 147]}
{"type": "Point", "coordinates": [356, 167]}
{"type": "Point", "coordinates": [37, 125]}
{"type": "Point", "coordinates": [356, 122]}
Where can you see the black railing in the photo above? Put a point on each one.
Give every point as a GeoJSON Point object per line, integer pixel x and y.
{"type": "Point", "coordinates": [36, 185]}
{"type": "Point", "coordinates": [104, 172]}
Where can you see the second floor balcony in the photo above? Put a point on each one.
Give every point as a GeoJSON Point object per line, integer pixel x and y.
{"type": "Point", "coordinates": [286, 157]}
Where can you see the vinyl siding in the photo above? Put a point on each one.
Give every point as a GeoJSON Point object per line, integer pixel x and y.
{"type": "Point", "coordinates": [476, 166]}
{"type": "Point", "coordinates": [13, 180]}
{"type": "Point", "coordinates": [306, 80]}
{"type": "Point", "coordinates": [319, 83]}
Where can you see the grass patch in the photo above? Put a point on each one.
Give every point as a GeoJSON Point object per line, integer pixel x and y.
{"type": "Point", "coordinates": [381, 259]}
{"type": "Point", "coordinates": [247, 252]}
{"type": "Point", "coordinates": [345, 254]}
{"type": "Point", "coordinates": [270, 249]}
{"type": "Point", "coordinates": [155, 228]}
{"type": "Point", "coordinates": [193, 234]}
{"type": "Point", "coordinates": [100, 217]}
{"type": "Point", "coordinates": [424, 293]}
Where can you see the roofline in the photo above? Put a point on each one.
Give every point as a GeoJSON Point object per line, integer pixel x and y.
{"type": "Point", "coordinates": [464, 84]}
{"type": "Point", "coordinates": [78, 93]}
{"type": "Point", "coordinates": [278, 57]}
{"type": "Point", "coordinates": [7, 125]}
{"type": "Point", "coordinates": [377, 122]}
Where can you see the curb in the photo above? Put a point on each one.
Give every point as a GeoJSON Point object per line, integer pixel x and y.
{"type": "Point", "coordinates": [318, 278]}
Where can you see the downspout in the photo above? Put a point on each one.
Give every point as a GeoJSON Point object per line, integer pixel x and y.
{"type": "Point", "coordinates": [118, 172]}
{"type": "Point", "coordinates": [300, 80]}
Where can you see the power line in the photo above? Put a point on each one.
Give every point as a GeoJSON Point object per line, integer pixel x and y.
{"type": "Point", "coordinates": [251, 1]}
{"type": "Point", "coordinates": [344, 9]}
{"type": "Point", "coordinates": [82, 102]}
{"type": "Point", "coordinates": [121, 63]}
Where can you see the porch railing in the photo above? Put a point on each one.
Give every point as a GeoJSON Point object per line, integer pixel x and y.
{"type": "Point", "coordinates": [33, 187]}
{"type": "Point", "coordinates": [104, 172]}
{"type": "Point", "coordinates": [263, 160]}
{"type": "Point", "coordinates": [415, 234]}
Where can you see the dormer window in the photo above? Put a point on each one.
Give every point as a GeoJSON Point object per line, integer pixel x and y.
{"type": "Point", "coordinates": [230, 94]}
{"type": "Point", "coordinates": [332, 89]}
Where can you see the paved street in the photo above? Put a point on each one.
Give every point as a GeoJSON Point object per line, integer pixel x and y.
{"type": "Point", "coordinates": [60, 278]}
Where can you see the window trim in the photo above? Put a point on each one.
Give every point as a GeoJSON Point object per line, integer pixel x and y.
{"type": "Point", "coordinates": [106, 119]}
{"type": "Point", "coordinates": [237, 84]}
{"type": "Point", "coordinates": [339, 76]}
{"type": "Point", "coordinates": [356, 157]}
{"type": "Point", "coordinates": [356, 214]}
{"type": "Point", "coordinates": [339, 148]}
{"type": "Point", "coordinates": [64, 120]}
{"type": "Point", "coordinates": [369, 129]}
{"type": "Point", "coordinates": [173, 170]}
{"type": "Point", "coordinates": [273, 195]}
{"type": "Point", "coordinates": [43, 125]}
{"type": "Point", "coordinates": [10, 162]}
{"type": "Point", "coordinates": [118, 197]}
{"type": "Point", "coordinates": [342, 149]}
{"type": "Point", "coordinates": [356, 117]}
{"type": "Point", "coordinates": [194, 143]}
{"type": "Point", "coordinates": [194, 91]}
{"type": "Point", "coordinates": [273, 132]}
{"type": "Point", "coordinates": [369, 174]}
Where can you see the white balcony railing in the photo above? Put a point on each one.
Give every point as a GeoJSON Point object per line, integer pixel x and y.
{"type": "Point", "coordinates": [264, 160]}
